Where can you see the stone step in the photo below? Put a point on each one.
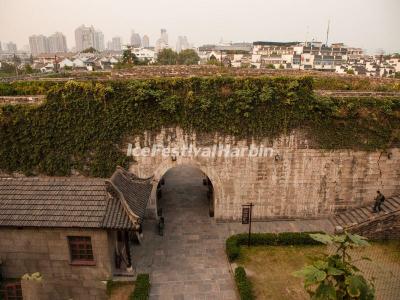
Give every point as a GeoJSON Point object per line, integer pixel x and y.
{"type": "Point", "coordinates": [365, 213]}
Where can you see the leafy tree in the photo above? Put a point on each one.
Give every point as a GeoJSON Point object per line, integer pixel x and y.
{"type": "Point", "coordinates": [270, 66]}
{"type": "Point", "coordinates": [188, 57]}
{"type": "Point", "coordinates": [129, 58]}
{"type": "Point", "coordinates": [7, 68]}
{"type": "Point", "coordinates": [28, 69]}
{"type": "Point", "coordinates": [335, 277]}
{"type": "Point", "coordinates": [397, 75]}
{"type": "Point", "coordinates": [167, 57]}
{"type": "Point", "coordinates": [350, 71]}
{"type": "Point", "coordinates": [89, 50]}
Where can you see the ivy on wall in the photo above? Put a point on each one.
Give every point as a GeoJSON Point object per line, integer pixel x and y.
{"type": "Point", "coordinates": [81, 125]}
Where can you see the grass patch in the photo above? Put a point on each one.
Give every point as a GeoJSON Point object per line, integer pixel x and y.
{"type": "Point", "coordinates": [269, 268]}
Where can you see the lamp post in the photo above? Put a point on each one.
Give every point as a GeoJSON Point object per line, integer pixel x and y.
{"type": "Point", "coordinates": [247, 210]}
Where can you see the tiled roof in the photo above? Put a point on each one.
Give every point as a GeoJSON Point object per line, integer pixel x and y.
{"type": "Point", "coordinates": [70, 202]}
{"type": "Point", "coordinates": [134, 191]}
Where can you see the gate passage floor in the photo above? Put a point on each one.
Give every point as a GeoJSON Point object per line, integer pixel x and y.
{"type": "Point", "coordinates": [189, 261]}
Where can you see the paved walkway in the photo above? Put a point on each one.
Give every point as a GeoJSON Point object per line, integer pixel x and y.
{"type": "Point", "coordinates": [189, 261]}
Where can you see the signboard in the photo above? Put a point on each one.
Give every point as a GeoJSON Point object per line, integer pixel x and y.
{"type": "Point", "coordinates": [245, 215]}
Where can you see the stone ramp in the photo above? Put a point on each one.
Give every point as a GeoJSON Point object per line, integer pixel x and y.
{"type": "Point", "coordinates": [363, 216]}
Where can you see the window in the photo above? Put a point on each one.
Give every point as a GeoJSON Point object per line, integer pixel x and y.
{"type": "Point", "coordinates": [81, 251]}
{"type": "Point", "coordinates": [11, 291]}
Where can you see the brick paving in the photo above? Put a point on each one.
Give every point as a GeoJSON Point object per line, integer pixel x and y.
{"type": "Point", "coordinates": [189, 261]}
{"type": "Point", "coordinates": [383, 269]}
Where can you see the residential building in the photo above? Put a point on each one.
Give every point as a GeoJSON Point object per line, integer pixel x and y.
{"type": "Point", "coordinates": [11, 47]}
{"type": "Point", "coordinates": [145, 41]}
{"type": "Point", "coordinates": [145, 53]}
{"type": "Point", "coordinates": [99, 41]}
{"type": "Point", "coordinates": [136, 41]}
{"type": "Point", "coordinates": [162, 42]}
{"type": "Point", "coordinates": [38, 44]}
{"type": "Point", "coordinates": [87, 37]}
{"type": "Point", "coordinates": [57, 43]}
{"type": "Point", "coordinates": [76, 232]}
{"type": "Point", "coordinates": [116, 44]}
{"type": "Point", "coordinates": [182, 44]}
{"type": "Point", "coordinates": [84, 37]}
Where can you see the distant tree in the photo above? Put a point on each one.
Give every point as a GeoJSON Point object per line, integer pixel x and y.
{"type": "Point", "coordinates": [350, 71]}
{"type": "Point", "coordinates": [270, 66]}
{"type": "Point", "coordinates": [167, 57]}
{"type": "Point", "coordinates": [281, 66]}
{"type": "Point", "coordinates": [7, 68]}
{"type": "Point", "coordinates": [397, 75]}
{"type": "Point", "coordinates": [129, 58]}
{"type": "Point", "coordinates": [212, 57]}
{"type": "Point", "coordinates": [90, 50]}
{"type": "Point", "coordinates": [28, 69]}
{"type": "Point", "coordinates": [188, 57]}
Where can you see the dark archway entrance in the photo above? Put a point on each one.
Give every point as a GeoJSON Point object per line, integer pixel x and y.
{"type": "Point", "coordinates": [183, 189]}
{"type": "Point", "coordinates": [188, 260]}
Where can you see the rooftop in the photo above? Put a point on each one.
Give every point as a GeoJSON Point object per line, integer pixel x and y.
{"type": "Point", "coordinates": [118, 203]}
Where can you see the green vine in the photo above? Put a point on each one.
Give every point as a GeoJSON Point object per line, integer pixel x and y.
{"type": "Point", "coordinates": [81, 125]}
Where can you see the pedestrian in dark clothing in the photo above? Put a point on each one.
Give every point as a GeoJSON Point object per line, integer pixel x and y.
{"type": "Point", "coordinates": [379, 199]}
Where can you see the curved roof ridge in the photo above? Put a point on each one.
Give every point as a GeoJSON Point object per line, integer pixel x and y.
{"type": "Point", "coordinates": [116, 193]}
{"type": "Point", "coordinates": [132, 176]}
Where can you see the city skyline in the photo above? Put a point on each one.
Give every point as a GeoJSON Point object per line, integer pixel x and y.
{"type": "Point", "coordinates": [371, 24]}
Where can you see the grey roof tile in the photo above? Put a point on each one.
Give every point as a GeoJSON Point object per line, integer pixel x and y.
{"type": "Point", "coordinates": [72, 202]}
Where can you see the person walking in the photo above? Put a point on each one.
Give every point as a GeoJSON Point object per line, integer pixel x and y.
{"type": "Point", "coordinates": [379, 199]}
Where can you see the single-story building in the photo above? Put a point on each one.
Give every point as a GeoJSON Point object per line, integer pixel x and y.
{"type": "Point", "coordinates": [76, 232]}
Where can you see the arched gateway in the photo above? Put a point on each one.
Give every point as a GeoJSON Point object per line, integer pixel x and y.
{"type": "Point", "coordinates": [285, 178]}
{"type": "Point", "coordinates": [210, 178]}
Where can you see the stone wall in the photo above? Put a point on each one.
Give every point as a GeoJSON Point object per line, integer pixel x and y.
{"type": "Point", "coordinates": [294, 180]}
{"type": "Point", "coordinates": [22, 99]}
{"type": "Point", "coordinates": [387, 227]}
{"type": "Point", "coordinates": [46, 251]}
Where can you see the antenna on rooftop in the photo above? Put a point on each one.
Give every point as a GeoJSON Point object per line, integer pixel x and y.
{"type": "Point", "coordinates": [327, 34]}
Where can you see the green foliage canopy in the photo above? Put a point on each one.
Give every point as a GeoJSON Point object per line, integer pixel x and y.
{"type": "Point", "coordinates": [82, 125]}
{"type": "Point", "coordinates": [188, 57]}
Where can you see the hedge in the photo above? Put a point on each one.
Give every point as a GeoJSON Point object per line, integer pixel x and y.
{"type": "Point", "coordinates": [82, 125]}
{"type": "Point", "coordinates": [234, 242]}
{"type": "Point", "coordinates": [142, 288]}
{"type": "Point", "coordinates": [244, 285]}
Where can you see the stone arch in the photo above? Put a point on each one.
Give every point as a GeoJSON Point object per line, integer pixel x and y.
{"type": "Point", "coordinates": [167, 164]}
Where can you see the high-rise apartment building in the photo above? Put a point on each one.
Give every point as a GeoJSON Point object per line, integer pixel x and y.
{"type": "Point", "coordinates": [98, 40]}
{"type": "Point", "coordinates": [11, 47]}
{"type": "Point", "coordinates": [145, 41]}
{"type": "Point", "coordinates": [182, 44]}
{"type": "Point", "coordinates": [38, 44]}
{"type": "Point", "coordinates": [115, 44]}
{"type": "Point", "coordinates": [57, 43]}
{"type": "Point", "coordinates": [136, 41]}
{"type": "Point", "coordinates": [162, 42]}
{"type": "Point", "coordinates": [86, 37]}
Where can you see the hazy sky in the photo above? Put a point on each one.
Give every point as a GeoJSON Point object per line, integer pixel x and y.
{"type": "Point", "coordinates": [370, 24]}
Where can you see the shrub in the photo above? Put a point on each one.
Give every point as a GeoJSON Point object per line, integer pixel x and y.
{"type": "Point", "coordinates": [243, 284]}
{"type": "Point", "coordinates": [234, 242]}
{"type": "Point", "coordinates": [83, 125]}
{"type": "Point", "coordinates": [142, 288]}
